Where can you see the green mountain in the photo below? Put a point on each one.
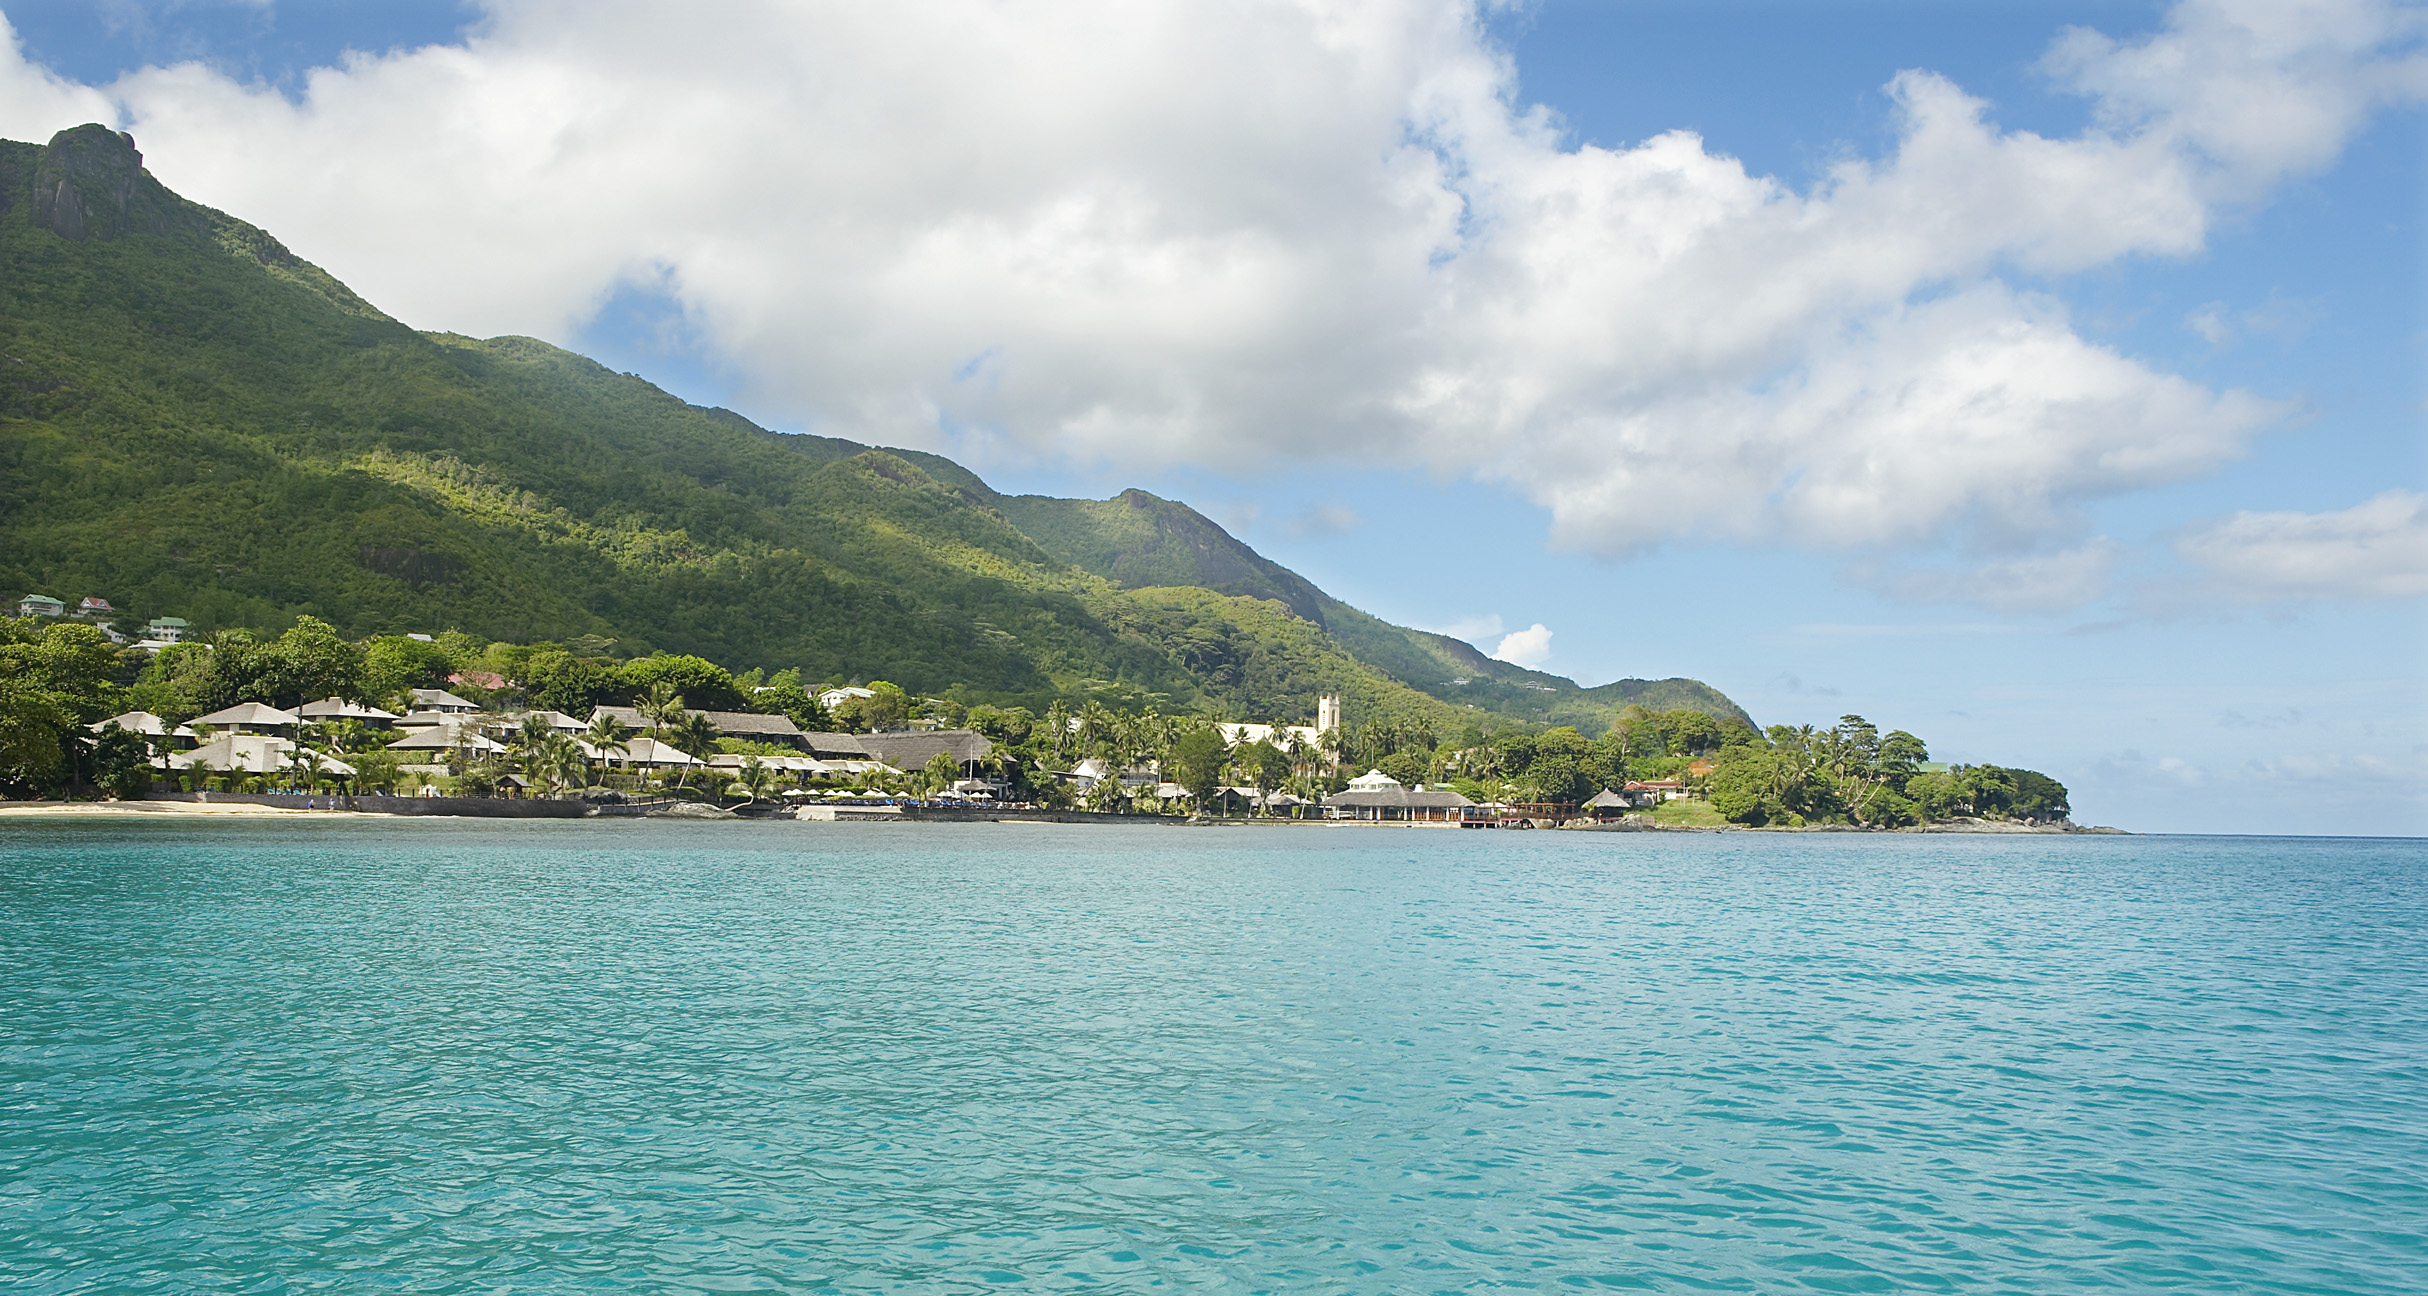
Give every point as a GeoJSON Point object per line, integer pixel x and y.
{"type": "Point", "coordinates": [194, 421]}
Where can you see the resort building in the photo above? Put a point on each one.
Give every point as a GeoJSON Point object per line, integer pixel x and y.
{"type": "Point", "coordinates": [799, 769]}
{"type": "Point", "coordinates": [553, 721]}
{"type": "Point", "coordinates": [448, 737]}
{"type": "Point", "coordinates": [247, 753]}
{"type": "Point", "coordinates": [1607, 804]}
{"type": "Point", "coordinates": [748, 725]}
{"type": "Point", "coordinates": [250, 717]}
{"type": "Point", "coordinates": [146, 724]}
{"type": "Point", "coordinates": [835, 746]}
{"type": "Point", "coordinates": [1377, 797]}
{"type": "Point", "coordinates": [332, 709]}
{"type": "Point", "coordinates": [649, 753]}
{"type": "Point", "coordinates": [910, 751]}
{"type": "Point", "coordinates": [442, 701]}
{"type": "Point", "coordinates": [1247, 801]}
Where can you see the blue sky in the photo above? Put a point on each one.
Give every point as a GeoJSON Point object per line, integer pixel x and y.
{"type": "Point", "coordinates": [2185, 588]}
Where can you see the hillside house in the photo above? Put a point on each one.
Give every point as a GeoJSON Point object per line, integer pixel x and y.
{"type": "Point", "coordinates": [166, 630]}
{"type": "Point", "coordinates": [40, 605]}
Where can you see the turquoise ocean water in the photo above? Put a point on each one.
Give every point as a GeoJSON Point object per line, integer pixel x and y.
{"type": "Point", "coordinates": [650, 1057]}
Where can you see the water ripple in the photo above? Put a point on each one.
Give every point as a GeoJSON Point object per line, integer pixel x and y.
{"type": "Point", "coordinates": [750, 1057]}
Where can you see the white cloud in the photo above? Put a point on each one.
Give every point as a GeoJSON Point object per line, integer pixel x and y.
{"type": "Point", "coordinates": [2375, 549]}
{"type": "Point", "coordinates": [1226, 231]}
{"type": "Point", "coordinates": [1530, 647]}
{"type": "Point", "coordinates": [2260, 89]}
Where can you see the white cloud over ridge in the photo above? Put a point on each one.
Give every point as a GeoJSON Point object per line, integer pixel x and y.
{"type": "Point", "coordinates": [1530, 647]}
{"type": "Point", "coordinates": [1224, 232]}
{"type": "Point", "coordinates": [2375, 549]}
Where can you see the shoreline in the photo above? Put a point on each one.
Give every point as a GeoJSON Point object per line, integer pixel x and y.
{"type": "Point", "coordinates": [188, 806]}
{"type": "Point", "coordinates": [165, 810]}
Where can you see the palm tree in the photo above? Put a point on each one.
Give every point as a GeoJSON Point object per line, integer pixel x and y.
{"type": "Point", "coordinates": [307, 761]}
{"type": "Point", "coordinates": [756, 778]}
{"type": "Point", "coordinates": [939, 772]}
{"type": "Point", "coordinates": [1058, 727]}
{"type": "Point", "coordinates": [533, 732]}
{"type": "Point", "coordinates": [1286, 741]}
{"type": "Point", "coordinates": [1096, 728]}
{"type": "Point", "coordinates": [693, 735]}
{"type": "Point", "coordinates": [557, 761]}
{"type": "Point", "coordinates": [607, 737]}
{"type": "Point", "coordinates": [661, 706]}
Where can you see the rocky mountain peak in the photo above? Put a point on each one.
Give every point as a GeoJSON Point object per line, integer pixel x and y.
{"type": "Point", "coordinates": [90, 184]}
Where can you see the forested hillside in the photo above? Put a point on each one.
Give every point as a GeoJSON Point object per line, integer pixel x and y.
{"type": "Point", "coordinates": [194, 421]}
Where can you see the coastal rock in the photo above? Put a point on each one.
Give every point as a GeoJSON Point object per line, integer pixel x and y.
{"type": "Point", "coordinates": [692, 810]}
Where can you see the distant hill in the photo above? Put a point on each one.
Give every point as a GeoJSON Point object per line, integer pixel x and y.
{"type": "Point", "coordinates": [194, 421]}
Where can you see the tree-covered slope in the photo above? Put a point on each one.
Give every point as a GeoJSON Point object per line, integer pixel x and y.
{"type": "Point", "coordinates": [1137, 540]}
{"type": "Point", "coordinates": [194, 421]}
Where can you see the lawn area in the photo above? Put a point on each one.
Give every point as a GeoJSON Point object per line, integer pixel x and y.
{"type": "Point", "coordinates": [1687, 813]}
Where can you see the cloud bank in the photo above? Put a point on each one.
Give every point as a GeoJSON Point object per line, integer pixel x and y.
{"type": "Point", "coordinates": [1261, 229]}
{"type": "Point", "coordinates": [2376, 549]}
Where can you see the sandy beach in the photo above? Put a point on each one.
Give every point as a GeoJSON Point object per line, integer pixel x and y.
{"type": "Point", "coordinates": [156, 809]}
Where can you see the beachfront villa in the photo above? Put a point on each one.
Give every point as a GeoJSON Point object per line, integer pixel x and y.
{"type": "Point", "coordinates": [251, 753]}
{"type": "Point", "coordinates": [150, 726]}
{"type": "Point", "coordinates": [1606, 803]}
{"type": "Point", "coordinates": [800, 769]}
{"type": "Point", "coordinates": [968, 749]}
{"type": "Point", "coordinates": [1377, 797]}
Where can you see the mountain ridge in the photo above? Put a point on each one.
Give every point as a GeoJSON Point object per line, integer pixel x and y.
{"type": "Point", "coordinates": [195, 420]}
